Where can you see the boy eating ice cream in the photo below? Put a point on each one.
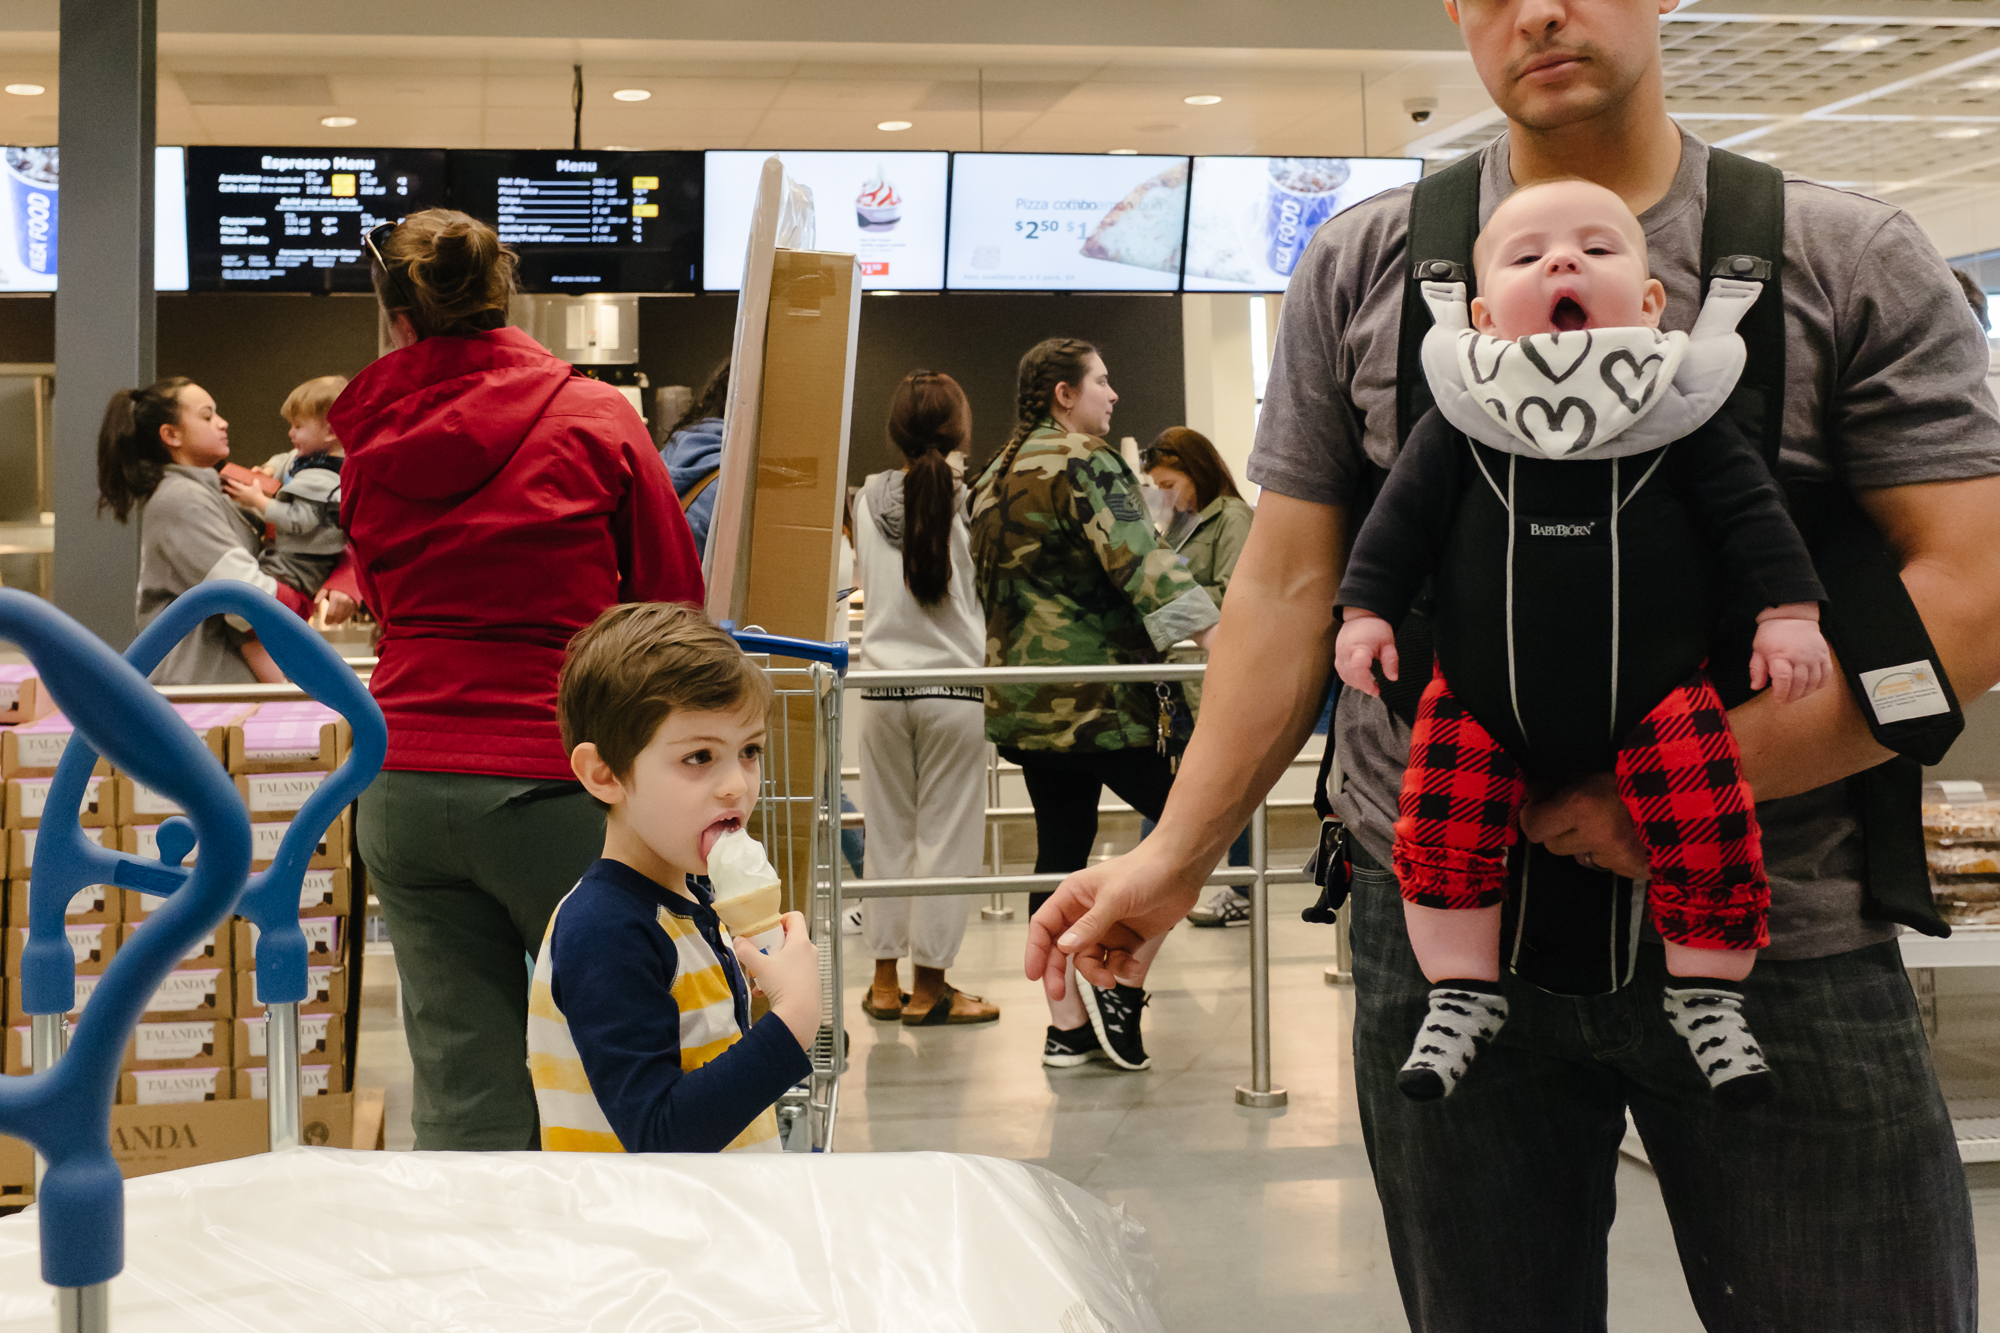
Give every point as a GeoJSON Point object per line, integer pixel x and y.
{"type": "Point", "coordinates": [1591, 520]}
{"type": "Point", "coordinates": [639, 1031]}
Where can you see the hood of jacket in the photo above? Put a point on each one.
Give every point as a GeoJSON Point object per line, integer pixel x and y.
{"type": "Point", "coordinates": [693, 452]}
{"type": "Point", "coordinates": [441, 417]}
{"type": "Point", "coordinates": [884, 494]}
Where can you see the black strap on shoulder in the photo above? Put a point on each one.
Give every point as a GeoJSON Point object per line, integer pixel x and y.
{"type": "Point", "coordinates": [1743, 236]}
{"type": "Point", "coordinates": [1444, 222]}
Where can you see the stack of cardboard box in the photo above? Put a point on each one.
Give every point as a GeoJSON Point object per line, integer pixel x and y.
{"type": "Point", "coordinates": [201, 1039]}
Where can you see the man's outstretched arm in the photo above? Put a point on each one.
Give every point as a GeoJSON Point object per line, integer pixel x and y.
{"type": "Point", "coordinates": [1266, 683]}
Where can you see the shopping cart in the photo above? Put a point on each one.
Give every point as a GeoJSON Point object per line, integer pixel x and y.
{"type": "Point", "coordinates": [63, 1108]}
{"type": "Point", "coordinates": [798, 821]}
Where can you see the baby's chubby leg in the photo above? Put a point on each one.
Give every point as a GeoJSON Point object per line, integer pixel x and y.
{"type": "Point", "coordinates": [1460, 945]}
{"type": "Point", "coordinates": [1684, 960]}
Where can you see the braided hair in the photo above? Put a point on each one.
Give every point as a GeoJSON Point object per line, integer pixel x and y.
{"type": "Point", "coordinates": [1048, 363]}
{"type": "Point", "coordinates": [131, 456]}
{"type": "Point", "coordinates": [928, 418]}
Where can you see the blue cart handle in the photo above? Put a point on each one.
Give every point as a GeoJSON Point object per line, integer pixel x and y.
{"type": "Point", "coordinates": [65, 1112]}
{"type": "Point", "coordinates": [778, 645]}
{"type": "Point", "coordinates": [271, 900]}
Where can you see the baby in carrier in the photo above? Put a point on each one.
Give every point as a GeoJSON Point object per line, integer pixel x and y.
{"type": "Point", "coordinates": [1586, 520]}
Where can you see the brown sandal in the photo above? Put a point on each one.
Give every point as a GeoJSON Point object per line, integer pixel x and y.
{"type": "Point", "coordinates": [885, 1015]}
{"type": "Point", "coordinates": [941, 1015]}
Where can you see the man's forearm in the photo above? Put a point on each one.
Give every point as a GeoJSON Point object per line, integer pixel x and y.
{"type": "Point", "coordinates": [1266, 679]}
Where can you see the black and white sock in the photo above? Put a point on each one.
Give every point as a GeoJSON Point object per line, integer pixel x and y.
{"type": "Point", "coordinates": [1462, 1015]}
{"type": "Point", "coordinates": [1709, 1018]}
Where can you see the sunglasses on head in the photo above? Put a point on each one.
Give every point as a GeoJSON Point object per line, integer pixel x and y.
{"type": "Point", "coordinates": [374, 240]}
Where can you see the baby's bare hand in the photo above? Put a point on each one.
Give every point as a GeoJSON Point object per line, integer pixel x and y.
{"type": "Point", "coordinates": [1362, 640]}
{"type": "Point", "coordinates": [1792, 655]}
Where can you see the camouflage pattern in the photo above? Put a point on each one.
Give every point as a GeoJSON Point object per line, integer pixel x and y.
{"type": "Point", "coordinates": [1072, 573]}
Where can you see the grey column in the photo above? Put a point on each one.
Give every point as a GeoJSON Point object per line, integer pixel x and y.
{"type": "Point", "coordinates": [104, 291]}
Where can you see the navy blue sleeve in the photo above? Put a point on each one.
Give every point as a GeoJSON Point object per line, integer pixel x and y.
{"type": "Point", "coordinates": [612, 979]}
{"type": "Point", "coordinates": [1403, 537]}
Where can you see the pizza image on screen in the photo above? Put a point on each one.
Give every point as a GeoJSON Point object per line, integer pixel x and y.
{"type": "Point", "coordinates": [1144, 228]}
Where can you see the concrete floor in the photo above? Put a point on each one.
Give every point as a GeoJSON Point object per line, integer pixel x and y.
{"type": "Point", "coordinates": [1257, 1218]}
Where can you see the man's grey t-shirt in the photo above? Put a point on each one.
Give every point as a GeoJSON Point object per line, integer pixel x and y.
{"type": "Point", "coordinates": [1885, 385]}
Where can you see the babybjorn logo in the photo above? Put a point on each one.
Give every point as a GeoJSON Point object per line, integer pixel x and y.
{"type": "Point", "coordinates": [1560, 529]}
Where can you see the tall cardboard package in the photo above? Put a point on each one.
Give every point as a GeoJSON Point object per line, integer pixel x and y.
{"type": "Point", "coordinates": [806, 403]}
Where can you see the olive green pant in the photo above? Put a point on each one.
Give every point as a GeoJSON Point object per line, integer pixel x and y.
{"type": "Point", "coordinates": [468, 870]}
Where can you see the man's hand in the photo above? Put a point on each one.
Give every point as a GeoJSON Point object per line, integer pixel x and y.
{"type": "Point", "coordinates": [335, 606]}
{"type": "Point", "coordinates": [1589, 822]}
{"type": "Point", "coordinates": [1100, 916]}
{"type": "Point", "coordinates": [1364, 639]}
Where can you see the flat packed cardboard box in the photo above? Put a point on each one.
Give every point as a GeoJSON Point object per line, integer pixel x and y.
{"type": "Point", "coordinates": [192, 1044]}
{"type": "Point", "coordinates": [21, 848]}
{"type": "Point", "coordinates": [215, 949]}
{"type": "Point", "coordinates": [330, 852]}
{"type": "Point", "coordinates": [326, 992]}
{"type": "Point", "coordinates": [22, 696]}
{"type": "Point", "coordinates": [315, 1080]}
{"type": "Point", "coordinates": [93, 943]}
{"type": "Point", "coordinates": [322, 941]}
{"type": "Point", "coordinates": [27, 796]}
{"type": "Point", "coordinates": [20, 1053]}
{"type": "Point", "coordinates": [277, 796]}
{"type": "Point", "coordinates": [173, 1087]}
{"type": "Point", "coordinates": [191, 993]}
{"type": "Point", "coordinates": [34, 749]}
{"type": "Point", "coordinates": [326, 893]}
{"type": "Point", "coordinates": [16, 1011]}
{"type": "Point", "coordinates": [139, 804]}
{"type": "Point", "coordinates": [148, 1139]}
{"type": "Point", "coordinates": [260, 745]}
{"type": "Point", "coordinates": [322, 1040]}
{"type": "Point", "coordinates": [17, 1173]}
{"type": "Point", "coordinates": [97, 902]}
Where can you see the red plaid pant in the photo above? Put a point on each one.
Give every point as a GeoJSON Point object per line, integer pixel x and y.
{"type": "Point", "coordinates": [1679, 773]}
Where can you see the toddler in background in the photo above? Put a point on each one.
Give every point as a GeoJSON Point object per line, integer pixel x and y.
{"type": "Point", "coordinates": [639, 1030]}
{"type": "Point", "coordinates": [305, 513]}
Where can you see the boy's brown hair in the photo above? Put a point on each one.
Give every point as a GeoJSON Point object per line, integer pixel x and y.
{"type": "Point", "coordinates": [641, 661]}
{"type": "Point", "coordinates": [312, 400]}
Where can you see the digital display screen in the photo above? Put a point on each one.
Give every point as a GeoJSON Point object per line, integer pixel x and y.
{"type": "Point", "coordinates": [292, 219]}
{"type": "Point", "coordinates": [31, 211]}
{"type": "Point", "coordinates": [1066, 222]}
{"type": "Point", "coordinates": [1249, 218]}
{"type": "Point", "coordinates": [886, 209]}
{"type": "Point", "coordinates": [589, 221]}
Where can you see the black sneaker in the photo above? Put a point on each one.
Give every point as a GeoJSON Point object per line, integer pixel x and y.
{"type": "Point", "coordinates": [1114, 1015]}
{"type": "Point", "coordinates": [1224, 907]}
{"type": "Point", "coordinates": [1066, 1050]}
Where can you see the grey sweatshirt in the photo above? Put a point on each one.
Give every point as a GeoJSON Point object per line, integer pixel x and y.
{"type": "Point", "coordinates": [190, 533]}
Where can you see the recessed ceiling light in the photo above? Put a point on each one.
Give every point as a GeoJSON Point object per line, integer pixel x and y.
{"type": "Point", "coordinates": [26, 89]}
{"type": "Point", "coordinates": [620, 148]}
{"type": "Point", "coordinates": [885, 291]}
{"type": "Point", "coordinates": [1124, 152]}
{"type": "Point", "coordinates": [1984, 85]}
{"type": "Point", "coordinates": [1858, 42]}
{"type": "Point", "coordinates": [1960, 132]}
{"type": "Point", "coordinates": [631, 94]}
{"type": "Point", "coordinates": [338, 122]}
{"type": "Point", "coordinates": [1202, 99]}
{"type": "Point", "coordinates": [893, 125]}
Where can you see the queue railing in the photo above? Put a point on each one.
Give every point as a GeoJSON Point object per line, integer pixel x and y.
{"type": "Point", "coordinates": [1258, 876]}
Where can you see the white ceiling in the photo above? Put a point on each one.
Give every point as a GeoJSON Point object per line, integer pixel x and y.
{"type": "Point", "coordinates": [1880, 95]}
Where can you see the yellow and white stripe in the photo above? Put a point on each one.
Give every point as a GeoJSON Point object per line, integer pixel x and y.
{"type": "Point", "coordinates": [572, 1120]}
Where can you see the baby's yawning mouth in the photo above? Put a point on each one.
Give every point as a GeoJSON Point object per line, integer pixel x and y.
{"type": "Point", "coordinates": [1568, 316]}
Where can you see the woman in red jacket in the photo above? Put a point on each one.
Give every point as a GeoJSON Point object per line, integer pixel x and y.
{"type": "Point", "coordinates": [496, 502]}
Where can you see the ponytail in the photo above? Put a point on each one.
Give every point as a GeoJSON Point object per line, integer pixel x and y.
{"type": "Point", "coordinates": [929, 417]}
{"type": "Point", "coordinates": [448, 272]}
{"type": "Point", "coordinates": [131, 456]}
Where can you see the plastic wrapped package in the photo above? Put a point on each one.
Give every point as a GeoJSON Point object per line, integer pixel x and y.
{"type": "Point", "coordinates": [372, 1242]}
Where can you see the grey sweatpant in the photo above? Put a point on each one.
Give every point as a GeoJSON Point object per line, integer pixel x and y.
{"type": "Point", "coordinates": [923, 785]}
{"type": "Point", "coordinates": [468, 869]}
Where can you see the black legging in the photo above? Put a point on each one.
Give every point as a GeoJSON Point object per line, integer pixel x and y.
{"type": "Point", "coordinates": [1064, 785]}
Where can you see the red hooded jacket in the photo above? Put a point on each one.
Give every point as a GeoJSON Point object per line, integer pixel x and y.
{"type": "Point", "coordinates": [496, 503]}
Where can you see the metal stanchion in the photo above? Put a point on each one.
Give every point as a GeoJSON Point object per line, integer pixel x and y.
{"type": "Point", "coordinates": [1259, 1092]}
{"type": "Point", "coordinates": [48, 1035]}
{"type": "Point", "coordinates": [997, 909]}
{"type": "Point", "coordinates": [84, 1309]}
{"type": "Point", "coordinates": [281, 1073]}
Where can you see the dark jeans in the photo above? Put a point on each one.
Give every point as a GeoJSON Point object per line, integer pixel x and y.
{"type": "Point", "coordinates": [1841, 1205]}
{"type": "Point", "coordinates": [1063, 786]}
{"type": "Point", "coordinates": [468, 869]}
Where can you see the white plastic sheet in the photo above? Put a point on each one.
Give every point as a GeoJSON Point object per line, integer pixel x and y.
{"type": "Point", "coordinates": [361, 1242]}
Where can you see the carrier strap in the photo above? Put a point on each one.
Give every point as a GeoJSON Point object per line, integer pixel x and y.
{"type": "Point", "coordinates": [1746, 240]}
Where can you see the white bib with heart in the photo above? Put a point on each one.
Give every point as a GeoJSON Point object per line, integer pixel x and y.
{"type": "Point", "coordinates": [1597, 393]}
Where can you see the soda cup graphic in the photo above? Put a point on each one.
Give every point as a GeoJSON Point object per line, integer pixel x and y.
{"type": "Point", "coordinates": [1302, 193]}
{"type": "Point", "coordinates": [32, 189]}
